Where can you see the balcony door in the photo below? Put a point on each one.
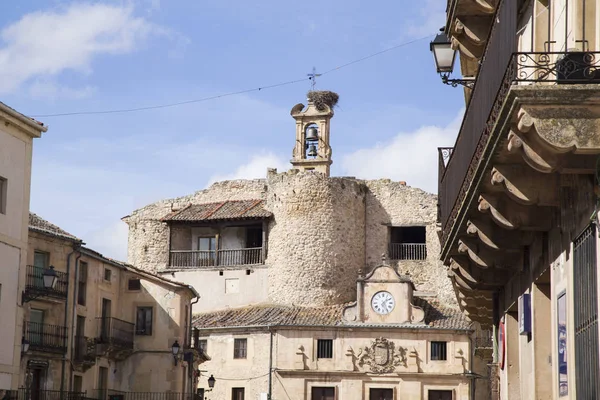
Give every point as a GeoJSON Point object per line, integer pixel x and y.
{"type": "Point", "coordinates": [106, 314]}
{"type": "Point", "coordinates": [381, 394]}
{"type": "Point", "coordinates": [207, 247]}
{"type": "Point", "coordinates": [80, 342]}
{"type": "Point", "coordinates": [37, 376]}
{"type": "Point", "coordinates": [36, 327]}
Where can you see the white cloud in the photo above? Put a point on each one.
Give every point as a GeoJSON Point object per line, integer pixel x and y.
{"type": "Point", "coordinates": [110, 240]}
{"type": "Point", "coordinates": [410, 156]}
{"type": "Point", "coordinates": [46, 43]}
{"type": "Point", "coordinates": [51, 90]}
{"type": "Point", "coordinates": [255, 168]}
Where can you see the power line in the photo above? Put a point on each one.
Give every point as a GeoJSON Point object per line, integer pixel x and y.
{"type": "Point", "coordinates": [127, 110]}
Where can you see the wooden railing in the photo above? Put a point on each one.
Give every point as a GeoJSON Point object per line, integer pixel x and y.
{"type": "Point", "coordinates": [34, 285]}
{"type": "Point", "coordinates": [225, 257]}
{"type": "Point", "coordinates": [115, 332]}
{"type": "Point", "coordinates": [46, 338]}
{"type": "Point", "coordinates": [407, 251]}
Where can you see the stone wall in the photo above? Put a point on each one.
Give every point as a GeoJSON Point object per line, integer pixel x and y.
{"type": "Point", "coordinates": [148, 243]}
{"type": "Point", "coordinates": [316, 238]}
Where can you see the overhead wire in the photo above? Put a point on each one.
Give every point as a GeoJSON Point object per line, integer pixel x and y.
{"type": "Point", "coordinates": [256, 89]}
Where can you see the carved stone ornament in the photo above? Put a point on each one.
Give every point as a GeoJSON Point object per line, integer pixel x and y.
{"type": "Point", "coordinates": [382, 356]}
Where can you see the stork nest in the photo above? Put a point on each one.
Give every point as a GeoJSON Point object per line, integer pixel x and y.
{"type": "Point", "coordinates": [322, 98]}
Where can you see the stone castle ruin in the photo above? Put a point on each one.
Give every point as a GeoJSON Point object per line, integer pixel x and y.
{"type": "Point", "coordinates": [299, 237]}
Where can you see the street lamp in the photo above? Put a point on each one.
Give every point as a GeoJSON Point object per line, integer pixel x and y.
{"type": "Point", "coordinates": [444, 55]}
{"type": "Point", "coordinates": [175, 350]}
{"type": "Point", "coordinates": [211, 382]}
{"type": "Point", "coordinates": [24, 345]}
{"type": "Point", "coordinates": [49, 279]}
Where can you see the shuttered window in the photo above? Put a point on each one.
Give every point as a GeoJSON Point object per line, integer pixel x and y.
{"type": "Point", "coordinates": [323, 393]}
{"type": "Point", "coordinates": [239, 348]}
{"type": "Point", "coordinates": [438, 351]}
{"type": "Point", "coordinates": [324, 348]}
{"type": "Point", "coordinates": [134, 284]}
{"type": "Point", "coordinates": [82, 284]}
{"type": "Point", "coordinates": [143, 324]}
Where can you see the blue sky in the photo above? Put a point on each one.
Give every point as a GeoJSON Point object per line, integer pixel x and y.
{"type": "Point", "coordinates": [91, 170]}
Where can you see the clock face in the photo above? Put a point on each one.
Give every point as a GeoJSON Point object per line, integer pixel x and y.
{"type": "Point", "coordinates": [383, 303]}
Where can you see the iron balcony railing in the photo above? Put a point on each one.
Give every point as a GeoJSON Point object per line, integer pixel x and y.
{"type": "Point", "coordinates": [33, 394]}
{"type": "Point", "coordinates": [212, 258]}
{"type": "Point", "coordinates": [84, 350]}
{"type": "Point", "coordinates": [34, 285]}
{"type": "Point", "coordinates": [502, 67]}
{"type": "Point", "coordinates": [107, 394]}
{"type": "Point", "coordinates": [484, 340]}
{"type": "Point", "coordinates": [407, 251]}
{"type": "Point", "coordinates": [115, 332]}
{"type": "Point", "coordinates": [46, 338]}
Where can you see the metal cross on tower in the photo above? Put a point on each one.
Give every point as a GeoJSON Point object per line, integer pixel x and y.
{"type": "Point", "coordinates": [313, 78]}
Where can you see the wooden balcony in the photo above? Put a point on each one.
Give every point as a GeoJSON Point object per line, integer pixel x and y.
{"type": "Point", "coordinates": [46, 338]}
{"type": "Point", "coordinates": [34, 285]}
{"type": "Point", "coordinates": [193, 259]}
{"type": "Point", "coordinates": [407, 251]}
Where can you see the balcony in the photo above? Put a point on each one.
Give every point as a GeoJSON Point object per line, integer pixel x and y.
{"type": "Point", "coordinates": [115, 337]}
{"type": "Point", "coordinates": [84, 352]}
{"type": "Point", "coordinates": [407, 251]}
{"type": "Point", "coordinates": [29, 394]}
{"type": "Point", "coordinates": [34, 284]}
{"type": "Point", "coordinates": [213, 258]}
{"type": "Point", "coordinates": [46, 338]}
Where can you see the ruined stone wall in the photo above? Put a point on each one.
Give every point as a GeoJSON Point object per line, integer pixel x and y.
{"type": "Point", "coordinates": [148, 245]}
{"type": "Point", "coordinates": [395, 204]}
{"type": "Point", "coordinates": [316, 238]}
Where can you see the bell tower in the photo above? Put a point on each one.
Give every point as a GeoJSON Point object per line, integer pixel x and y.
{"type": "Point", "coordinates": [312, 151]}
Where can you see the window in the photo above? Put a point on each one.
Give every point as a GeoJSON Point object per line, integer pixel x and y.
{"type": "Point", "coordinates": [323, 393]}
{"type": "Point", "coordinates": [134, 284]}
{"type": "Point", "coordinates": [143, 324]}
{"type": "Point", "coordinates": [381, 394]}
{"type": "Point", "coordinates": [407, 243]}
{"type": "Point", "coordinates": [103, 380]}
{"type": "Point", "coordinates": [77, 383]}
{"type": "Point", "coordinates": [239, 348]}
{"type": "Point", "coordinates": [107, 274]}
{"type": "Point", "coordinates": [324, 348]}
{"type": "Point", "coordinates": [207, 243]}
{"type": "Point", "coordinates": [438, 351]}
{"type": "Point", "coordinates": [82, 283]}
{"type": "Point", "coordinates": [237, 393]}
{"type": "Point", "coordinates": [203, 345]}
{"type": "Point", "coordinates": [439, 395]}
{"type": "Point", "coordinates": [200, 393]}
{"type": "Point", "coordinates": [40, 259]}
{"type": "Point", "coordinates": [3, 194]}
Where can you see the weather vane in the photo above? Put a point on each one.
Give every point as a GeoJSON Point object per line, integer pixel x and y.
{"type": "Point", "coordinates": [313, 78]}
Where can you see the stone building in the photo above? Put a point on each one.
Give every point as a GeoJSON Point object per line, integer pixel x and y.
{"type": "Point", "coordinates": [104, 329]}
{"type": "Point", "coordinates": [519, 191]}
{"type": "Point", "coordinates": [16, 141]}
{"type": "Point", "coordinates": [278, 260]}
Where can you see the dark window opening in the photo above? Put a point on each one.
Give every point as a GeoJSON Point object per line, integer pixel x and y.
{"type": "Point", "coordinates": [82, 283]}
{"type": "Point", "coordinates": [438, 351]}
{"type": "Point", "coordinates": [134, 284]}
{"type": "Point", "coordinates": [324, 348]}
{"type": "Point", "coordinates": [239, 348]}
{"type": "Point", "coordinates": [381, 394]}
{"type": "Point", "coordinates": [202, 346]}
{"type": "Point", "coordinates": [323, 393]}
{"type": "Point", "coordinates": [107, 274]}
{"type": "Point", "coordinates": [143, 325]}
{"type": "Point", "coordinates": [439, 395]}
{"type": "Point", "coordinates": [407, 243]}
{"type": "Point", "coordinates": [237, 394]}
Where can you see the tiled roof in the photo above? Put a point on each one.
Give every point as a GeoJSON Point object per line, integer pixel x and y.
{"type": "Point", "coordinates": [436, 316]}
{"type": "Point", "coordinates": [224, 210]}
{"type": "Point", "coordinates": [38, 224]}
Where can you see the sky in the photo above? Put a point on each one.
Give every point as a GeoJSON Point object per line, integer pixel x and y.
{"type": "Point", "coordinates": [89, 171]}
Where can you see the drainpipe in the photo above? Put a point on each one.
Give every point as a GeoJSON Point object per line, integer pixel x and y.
{"type": "Point", "coordinates": [471, 360]}
{"type": "Point", "coordinates": [191, 365]}
{"type": "Point", "coordinates": [74, 314]}
{"type": "Point", "coordinates": [270, 363]}
{"type": "Point", "coordinates": [64, 358]}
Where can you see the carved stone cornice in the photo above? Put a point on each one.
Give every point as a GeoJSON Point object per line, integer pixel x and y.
{"type": "Point", "coordinates": [512, 216]}
{"type": "Point", "coordinates": [525, 186]}
{"type": "Point", "coordinates": [495, 237]}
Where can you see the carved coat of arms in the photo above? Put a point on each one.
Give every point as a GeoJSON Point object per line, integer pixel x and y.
{"type": "Point", "coordinates": [382, 356]}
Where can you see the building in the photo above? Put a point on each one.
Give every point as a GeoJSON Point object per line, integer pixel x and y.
{"type": "Point", "coordinates": [518, 192]}
{"type": "Point", "coordinates": [16, 140]}
{"type": "Point", "coordinates": [278, 260]}
{"type": "Point", "coordinates": [105, 327]}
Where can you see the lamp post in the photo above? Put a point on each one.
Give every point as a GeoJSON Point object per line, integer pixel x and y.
{"type": "Point", "coordinates": [175, 350]}
{"type": "Point", "coordinates": [24, 345]}
{"type": "Point", "coordinates": [49, 279]}
{"type": "Point", "coordinates": [444, 55]}
{"type": "Point", "coordinates": [211, 382]}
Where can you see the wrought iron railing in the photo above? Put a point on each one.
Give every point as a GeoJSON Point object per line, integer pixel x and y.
{"type": "Point", "coordinates": [225, 257]}
{"type": "Point", "coordinates": [34, 284]}
{"type": "Point", "coordinates": [115, 332]}
{"type": "Point", "coordinates": [46, 338]}
{"type": "Point", "coordinates": [33, 394]}
{"type": "Point", "coordinates": [484, 339]}
{"type": "Point", "coordinates": [407, 251]}
{"type": "Point", "coordinates": [107, 394]}
{"type": "Point", "coordinates": [84, 350]}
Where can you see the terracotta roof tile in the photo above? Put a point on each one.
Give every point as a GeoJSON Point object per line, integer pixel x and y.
{"type": "Point", "coordinates": [225, 210]}
{"type": "Point", "coordinates": [38, 224]}
{"type": "Point", "coordinates": [436, 316]}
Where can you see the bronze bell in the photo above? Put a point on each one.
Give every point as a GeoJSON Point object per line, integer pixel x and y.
{"type": "Point", "coordinates": [312, 134]}
{"type": "Point", "coordinates": [312, 151]}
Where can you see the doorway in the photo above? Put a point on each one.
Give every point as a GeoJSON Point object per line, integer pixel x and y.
{"type": "Point", "coordinates": [106, 314]}
{"type": "Point", "coordinates": [381, 394]}
{"type": "Point", "coordinates": [440, 395]}
{"type": "Point", "coordinates": [37, 376]}
{"type": "Point", "coordinates": [36, 327]}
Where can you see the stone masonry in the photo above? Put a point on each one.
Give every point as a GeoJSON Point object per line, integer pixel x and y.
{"type": "Point", "coordinates": [324, 231]}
